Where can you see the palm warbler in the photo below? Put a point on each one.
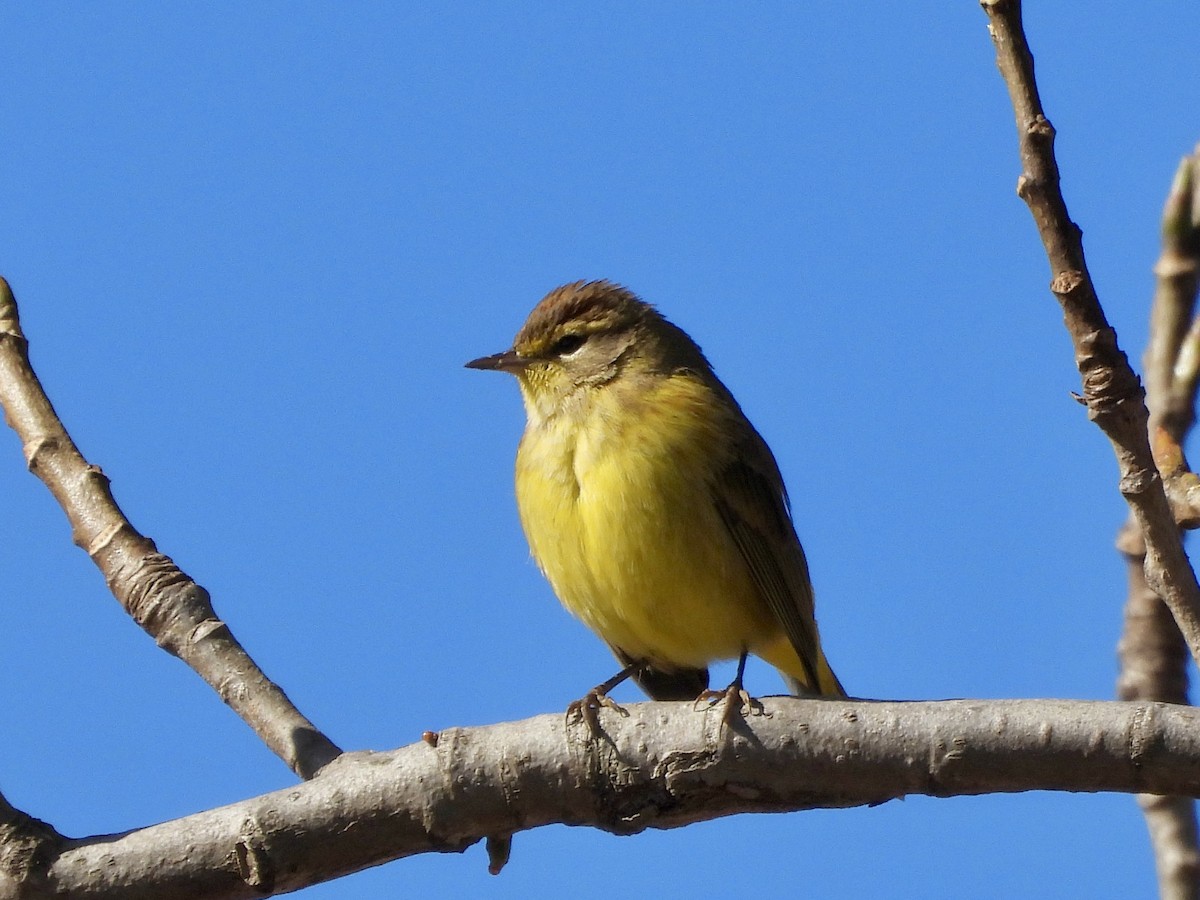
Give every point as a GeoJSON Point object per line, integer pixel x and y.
{"type": "Point", "coordinates": [651, 504]}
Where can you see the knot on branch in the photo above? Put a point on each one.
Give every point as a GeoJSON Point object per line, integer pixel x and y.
{"type": "Point", "coordinates": [1173, 264]}
{"type": "Point", "coordinates": [1112, 391]}
{"type": "Point", "coordinates": [10, 323]}
{"type": "Point", "coordinates": [993, 7]}
{"type": "Point", "coordinates": [1143, 736]}
{"type": "Point", "coordinates": [27, 848]}
{"type": "Point", "coordinates": [1039, 129]}
{"type": "Point", "coordinates": [1138, 482]}
{"type": "Point", "coordinates": [253, 857]}
{"type": "Point", "coordinates": [163, 600]}
{"type": "Point", "coordinates": [1036, 183]}
{"type": "Point", "coordinates": [1067, 286]}
{"type": "Point", "coordinates": [1131, 542]}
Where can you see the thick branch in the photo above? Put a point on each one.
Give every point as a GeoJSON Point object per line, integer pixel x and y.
{"type": "Point", "coordinates": [664, 766]}
{"type": "Point", "coordinates": [1110, 387]}
{"type": "Point", "coordinates": [28, 847]}
{"type": "Point", "coordinates": [172, 608]}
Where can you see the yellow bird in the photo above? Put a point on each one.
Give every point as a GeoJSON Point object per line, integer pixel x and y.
{"type": "Point", "coordinates": [652, 505]}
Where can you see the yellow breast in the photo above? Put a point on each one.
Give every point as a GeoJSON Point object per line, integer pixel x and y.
{"type": "Point", "coordinates": [615, 498]}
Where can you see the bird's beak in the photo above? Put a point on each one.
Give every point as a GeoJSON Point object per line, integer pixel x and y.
{"type": "Point", "coordinates": [508, 361]}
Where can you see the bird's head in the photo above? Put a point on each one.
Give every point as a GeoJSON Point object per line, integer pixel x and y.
{"type": "Point", "coordinates": [588, 334]}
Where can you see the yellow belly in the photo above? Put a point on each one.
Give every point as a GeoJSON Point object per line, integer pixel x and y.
{"type": "Point", "coordinates": [617, 509]}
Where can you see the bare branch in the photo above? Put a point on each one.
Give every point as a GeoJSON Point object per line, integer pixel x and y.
{"type": "Point", "coordinates": [1150, 649]}
{"type": "Point", "coordinates": [1172, 363]}
{"type": "Point", "coordinates": [27, 848]}
{"type": "Point", "coordinates": [1153, 655]}
{"type": "Point", "coordinates": [664, 766]}
{"type": "Point", "coordinates": [1154, 667]}
{"type": "Point", "coordinates": [1152, 652]}
{"type": "Point", "coordinates": [1171, 822]}
{"type": "Point", "coordinates": [1173, 353]}
{"type": "Point", "coordinates": [1110, 387]}
{"type": "Point", "coordinates": [169, 605]}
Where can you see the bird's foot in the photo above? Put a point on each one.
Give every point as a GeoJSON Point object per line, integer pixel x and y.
{"type": "Point", "coordinates": [738, 702]}
{"type": "Point", "coordinates": [587, 708]}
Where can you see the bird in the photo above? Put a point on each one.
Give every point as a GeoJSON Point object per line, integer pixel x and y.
{"type": "Point", "coordinates": [652, 506]}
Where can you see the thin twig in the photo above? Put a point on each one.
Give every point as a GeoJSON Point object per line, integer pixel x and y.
{"type": "Point", "coordinates": [1171, 361]}
{"type": "Point", "coordinates": [169, 605]}
{"type": "Point", "coordinates": [1173, 354]}
{"type": "Point", "coordinates": [1110, 388]}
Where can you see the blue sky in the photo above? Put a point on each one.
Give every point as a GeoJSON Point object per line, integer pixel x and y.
{"type": "Point", "coordinates": [254, 244]}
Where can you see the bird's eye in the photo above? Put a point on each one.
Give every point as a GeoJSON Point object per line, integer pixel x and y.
{"type": "Point", "coordinates": [567, 344]}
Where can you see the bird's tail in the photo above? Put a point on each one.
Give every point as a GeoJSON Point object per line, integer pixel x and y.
{"type": "Point", "coordinates": [829, 687]}
{"type": "Point", "coordinates": [783, 657]}
{"type": "Point", "coordinates": [827, 683]}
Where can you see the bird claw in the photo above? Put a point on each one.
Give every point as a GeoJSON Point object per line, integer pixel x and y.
{"type": "Point", "coordinates": [737, 702]}
{"type": "Point", "coordinates": [587, 708]}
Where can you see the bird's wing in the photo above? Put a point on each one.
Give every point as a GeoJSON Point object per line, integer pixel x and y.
{"type": "Point", "coordinates": [752, 502]}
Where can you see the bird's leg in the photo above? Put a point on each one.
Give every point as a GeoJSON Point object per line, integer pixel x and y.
{"type": "Point", "coordinates": [590, 704]}
{"type": "Point", "coordinates": [737, 699]}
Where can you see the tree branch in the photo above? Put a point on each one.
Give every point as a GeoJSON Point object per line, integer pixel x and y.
{"type": "Point", "coordinates": [28, 846]}
{"type": "Point", "coordinates": [1110, 388]}
{"type": "Point", "coordinates": [1173, 353]}
{"type": "Point", "coordinates": [1154, 667]}
{"type": "Point", "coordinates": [1171, 359]}
{"type": "Point", "coordinates": [664, 766]}
{"type": "Point", "coordinates": [169, 605]}
{"type": "Point", "coordinates": [1151, 650]}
